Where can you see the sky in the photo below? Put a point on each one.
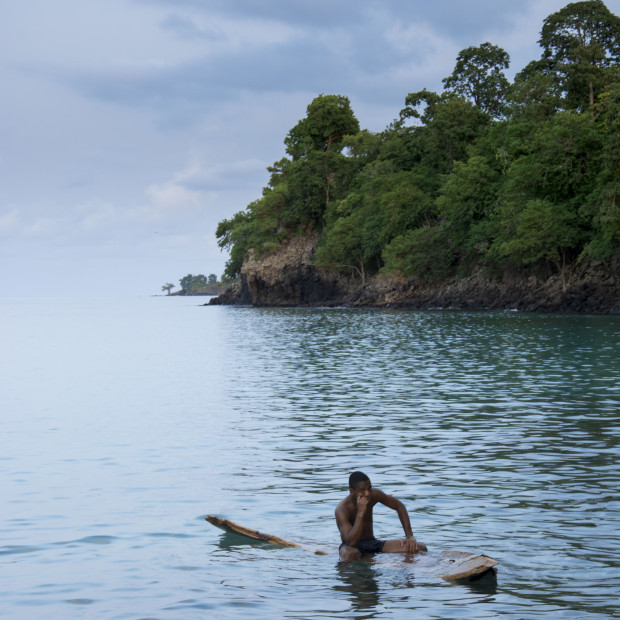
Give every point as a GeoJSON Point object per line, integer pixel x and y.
{"type": "Point", "coordinates": [130, 128]}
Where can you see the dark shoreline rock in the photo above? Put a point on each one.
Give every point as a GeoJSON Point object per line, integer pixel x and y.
{"type": "Point", "coordinates": [288, 278]}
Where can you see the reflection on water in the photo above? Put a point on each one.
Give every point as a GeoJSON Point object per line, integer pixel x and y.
{"type": "Point", "coordinates": [124, 423]}
{"type": "Point", "coordinates": [359, 581]}
{"type": "Point", "coordinates": [229, 541]}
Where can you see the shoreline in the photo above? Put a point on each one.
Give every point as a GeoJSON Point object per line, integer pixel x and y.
{"type": "Point", "coordinates": [288, 278]}
{"type": "Point", "coordinates": [545, 298]}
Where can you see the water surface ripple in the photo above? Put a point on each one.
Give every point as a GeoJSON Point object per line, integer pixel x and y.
{"type": "Point", "coordinates": [123, 422]}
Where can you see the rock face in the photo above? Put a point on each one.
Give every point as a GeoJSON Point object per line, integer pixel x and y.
{"type": "Point", "coordinates": [286, 278]}
{"type": "Point", "coordinates": [289, 278]}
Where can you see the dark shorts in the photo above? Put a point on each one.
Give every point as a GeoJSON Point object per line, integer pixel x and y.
{"type": "Point", "coordinates": [370, 545]}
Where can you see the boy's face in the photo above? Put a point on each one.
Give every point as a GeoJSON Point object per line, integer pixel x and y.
{"type": "Point", "coordinates": [361, 489]}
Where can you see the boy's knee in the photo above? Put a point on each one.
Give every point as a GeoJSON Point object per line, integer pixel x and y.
{"type": "Point", "coordinates": [349, 554]}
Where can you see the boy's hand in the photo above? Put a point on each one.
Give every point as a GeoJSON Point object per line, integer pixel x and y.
{"type": "Point", "coordinates": [411, 545]}
{"type": "Point", "coordinates": [362, 503]}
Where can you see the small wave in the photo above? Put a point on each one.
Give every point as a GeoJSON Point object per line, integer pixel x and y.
{"type": "Point", "coordinates": [16, 549]}
{"type": "Point", "coordinates": [169, 535]}
{"type": "Point", "coordinates": [90, 540]}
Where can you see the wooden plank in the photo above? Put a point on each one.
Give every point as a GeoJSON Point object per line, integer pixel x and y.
{"type": "Point", "coordinates": [231, 526]}
{"type": "Point", "coordinates": [455, 565]}
{"type": "Point", "coordinates": [449, 565]}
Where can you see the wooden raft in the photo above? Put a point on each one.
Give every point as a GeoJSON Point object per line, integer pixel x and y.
{"type": "Point", "coordinates": [449, 565]}
{"type": "Point", "coordinates": [231, 526]}
{"type": "Point", "coordinates": [453, 565]}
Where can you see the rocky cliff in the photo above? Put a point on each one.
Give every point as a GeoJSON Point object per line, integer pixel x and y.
{"type": "Point", "coordinates": [288, 277]}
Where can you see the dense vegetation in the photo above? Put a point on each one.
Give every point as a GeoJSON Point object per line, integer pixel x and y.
{"type": "Point", "coordinates": [198, 285]}
{"type": "Point", "coordinates": [487, 174]}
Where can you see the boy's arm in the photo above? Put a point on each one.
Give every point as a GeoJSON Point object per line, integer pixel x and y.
{"type": "Point", "coordinates": [351, 534]}
{"type": "Point", "coordinates": [410, 543]}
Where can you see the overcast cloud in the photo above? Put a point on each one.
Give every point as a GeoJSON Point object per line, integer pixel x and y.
{"type": "Point", "coordinates": [129, 128]}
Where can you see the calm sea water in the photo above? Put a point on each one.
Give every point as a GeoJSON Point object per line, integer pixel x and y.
{"type": "Point", "coordinates": [124, 422]}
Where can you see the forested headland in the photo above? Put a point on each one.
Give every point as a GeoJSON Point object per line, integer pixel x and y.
{"type": "Point", "coordinates": [197, 285]}
{"type": "Point", "coordinates": [487, 177]}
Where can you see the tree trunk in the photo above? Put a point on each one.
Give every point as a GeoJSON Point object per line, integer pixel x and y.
{"type": "Point", "coordinates": [362, 272]}
{"type": "Point", "coordinates": [330, 180]}
{"type": "Point", "coordinates": [591, 94]}
{"type": "Point", "coordinates": [564, 278]}
{"type": "Point", "coordinates": [561, 266]}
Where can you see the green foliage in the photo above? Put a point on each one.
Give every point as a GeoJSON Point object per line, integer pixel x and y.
{"type": "Point", "coordinates": [385, 202]}
{"type": "Point", "coordinates": [450, 126]}
{"type": "Point", "coordinates": [191, 285]}
{"type": "Point", "coordinates": [580, 43]}
{"type": "Point", "coordinates": [478, 75]}
{"type": "Point", "coordinates": [543, 214]}
{"type": "Point", "coordinates": [486, 174]}
{"type": "Point", "coordinates": [199, 285]}
{"type": "Point", "coordinates": [544, 231]}
{"type": "Point", "coordinates": [351, 242]}
{"type": "Point", "coordinates": [315, 180]}
{"type": "Point", "coordinates": [363, 146]}
{"type": "Point", "coordinates": [562, 162]}
{"type": "Point", "coordinates": [603, 205]}
{"type": "Point", "coordinates": [423, 254]}
{"type": "Point", "coordinates": [236, 236]}
{"type": "Point", "coordinates": [328, 120]}
{"type": "Point", "coordinates": [468, 199]}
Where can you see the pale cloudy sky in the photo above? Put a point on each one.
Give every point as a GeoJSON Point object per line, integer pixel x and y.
{"type": "Point", "coordinates": [129, 128]}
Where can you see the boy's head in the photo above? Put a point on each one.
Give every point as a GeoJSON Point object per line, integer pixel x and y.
{"type": "Point", "coordinates": [356, 477]}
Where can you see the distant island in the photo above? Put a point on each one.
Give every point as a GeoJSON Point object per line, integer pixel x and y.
{"type": "Point", "coordinates": [198, 285]}
{"type": "Point", "coordinates": [490, 194]}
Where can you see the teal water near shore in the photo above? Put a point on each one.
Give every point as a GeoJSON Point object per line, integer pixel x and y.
{"type": "Point", "coordinates": [124, 421]}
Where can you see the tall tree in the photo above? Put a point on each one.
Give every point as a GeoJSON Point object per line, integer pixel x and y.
{"type": "Point", "coordinates": [423, 254]}
{"type": "Point", "coordinates": [313, 182]}
{"type": "Point", "coordinates": [580, 43]}
{"type": "Point", "coordinates": [353, 240]}
{"type": "Point", "coordinates": [544, 231]}
{"type": "Point", "coordinates": [542, 212]}
{"type": "Point", "coordinates": [451, 124]}
{"type": "Point", "coordinates": [604, 203]}
{"type": "Point", "coordinates": [468, 199]}
{"type": "Point", "coordinates": [329, 118]}
{"type": "Point", "coordinates": [479, 76]}
{"type": "Point", "coordinates": [318, 172]}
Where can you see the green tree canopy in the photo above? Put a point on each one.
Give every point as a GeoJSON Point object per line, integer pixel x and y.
{"type": "Point", "coordinates": [544, 231]}
{"type": "Point", "coordinates": [423, 254]}
{"type": "Point", "coordinates": [329, 118]}
{"type": "Point", "coordinates": [450, 125]}
{"type": "Point", "coordinates": [193, 284]}
{"type": "Point", "coordinates": [484, 175]}
{"type": "Point", "coordinates": [603, 205]}
{"type": "Point", "coordinates": [580, 42]}
{"type": "Point", "coordinates": [479, 76]}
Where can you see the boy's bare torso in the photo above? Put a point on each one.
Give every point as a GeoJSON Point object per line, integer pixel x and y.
{"type": "Point", "coordinates": [348, 508]}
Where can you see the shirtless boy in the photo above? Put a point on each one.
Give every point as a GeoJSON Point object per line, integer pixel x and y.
{"type": "Point", "coordinates": [354, 519]}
